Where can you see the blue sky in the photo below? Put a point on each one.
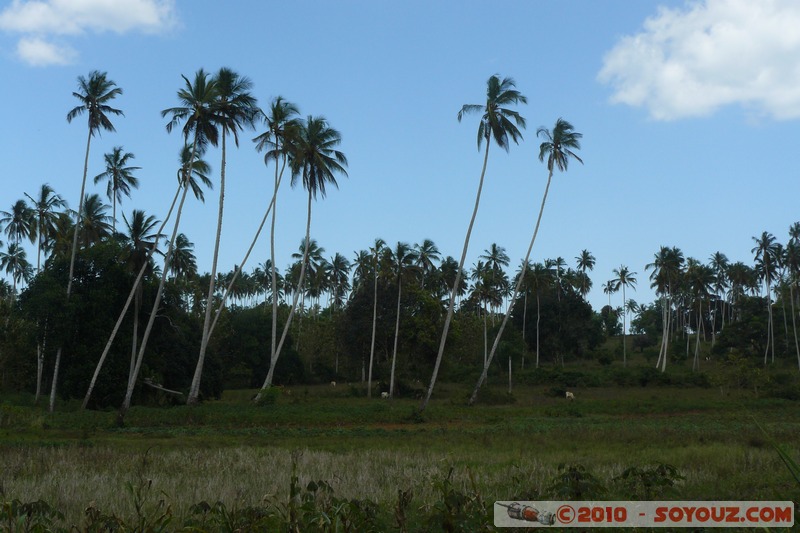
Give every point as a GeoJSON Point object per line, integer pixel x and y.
{"type": "Point", "coordinates": [688, 111]}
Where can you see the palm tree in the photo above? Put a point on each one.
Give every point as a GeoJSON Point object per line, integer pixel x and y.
{"type": "Point", "coordinates": [44, 207]}
{"type": "Point", "coordinates": [700, 280]}
{"type": "Point", "coordinates": [558, 148]}
{"type": "Point", "coordinates": [96, 92]}
{"type": "Point", "coordinates": [278, 140]}
{"type": "Point", "coordinates": [719, 265]}
{"type": "Point", "coordinates": [375, 253]}
{"type": "Point", "coordinates": [199, 121]}
{"type": "Point", "coordinates": [340, 279]}
{"type": "Point", "coordinates": [766, 256]}
{"type": "Point", "coordinates": [14, 262]}
{"type": "Point", "coordinates": [233, 108]}
{"type": "Point", "coordinates": [500, 123]}
{"type": "Point", "coordinates": [314, 161]}
{"type": "Point", "coordinates": [95, 222]}
{"type": "Point", "coordinates": [791, 259]}
{"type": "Point", "coordinates": [120, 178]}
{"type": "Point", "coordinates": [20, 222]}
{"type": "Point", "coordinates": [667, 269]}
{"type": "Point", "coordinates": [403, 258]}
{"type": "Point", "coordinates": [624, 278]}
{"type": "Point", "coordinates": [585, 262]}
{"type": "Point", "coordinates": [496, 260]}
{"type": "Point", "coordinates": [427, 256]}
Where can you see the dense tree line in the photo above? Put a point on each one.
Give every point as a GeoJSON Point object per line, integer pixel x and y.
{"type": "Point", "coordinates": [103, 318]}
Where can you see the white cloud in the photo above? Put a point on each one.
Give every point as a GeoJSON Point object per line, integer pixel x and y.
{"type": "Point", "coordinates": [37, 20]}
{"type": "Point", "coordinates": [690, 62]}
{"type": "Point", "coordinates": [40, 53]}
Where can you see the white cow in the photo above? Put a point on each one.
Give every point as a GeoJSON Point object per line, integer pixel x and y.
{"type": "Point", "coordinates": [384, 395]}
{"type": "Point", "coordinates": [570, 396]}
{"type": "Point", "coordinates": [333, 383]}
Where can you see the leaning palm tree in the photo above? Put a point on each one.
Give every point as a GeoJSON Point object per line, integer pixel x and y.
{"type": "Point", "coordinates": [278, 141]}
{"type": "Point", "coordinates": [500, 123]}
{"type": "Point", "coordinates": [559, 147]}
{"type": "Point", "coordinates": [120, 179]}
{"type": "Point", "coordinates": [199, 121]}
{"type": "Point", "coordinates": [96, 92]}
{"type": "Point", "coordinates": [624, 278]}
{"type": "Point", "coordinates": [375, 253]}
{"type": "Point", "coordinates": [192, 172]}
{"type": "Point", "coordinates": [233, 108]}
{"type": "Point", "coordinates": [44, 207]}
{"type": "Point", "coordinates": [314, 162]}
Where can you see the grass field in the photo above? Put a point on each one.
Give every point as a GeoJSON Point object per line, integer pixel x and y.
{"type": "Point", "coordinates": [453, 459]}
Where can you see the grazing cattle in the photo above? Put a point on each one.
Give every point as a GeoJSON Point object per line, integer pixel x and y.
{"type": "Point", "coordinates": [570, 396]}
{"type": "Point", "coordinates": [384, 395]}
{"type": "Point", "coordinates": [333, 383]}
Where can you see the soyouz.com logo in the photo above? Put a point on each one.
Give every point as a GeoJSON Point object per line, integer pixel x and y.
{"type": "Point", "coordinates": [644, 514]}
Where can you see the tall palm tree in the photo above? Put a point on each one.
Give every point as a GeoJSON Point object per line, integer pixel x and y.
{"type": "Point", "coordinates": [233, 108]}
{"type": "Point", "coordinates": [766, 256]}
{"type": "Point", "coordinates": [791, 259]}
{"type": "Point", "coordinates": [403, 259]}
{"type": "Point", "coordinates": [558, 148]}
{"type": "Point", "coordinates": [44, 207]}
{"type": "Point", "coordinates": [278, 141]}
{"type": "Point", "coordinates": [315, 161]}
{"type": "Point", "coordinates": [340, 279]}
{"type": "Point", "coordinates": [95, 94]}
{"type": "Point", "coordinates": [719, 265]}
{"type": "Point", "coordinates": [500, 123]}
{"type": "Point", "coordinates": [375, 253]}
{"type": "Point", "coordinates": [700, 280]}
{"type": "Point", "coordinates": [496, 260]}
{"type": "Point", "coordinates": [667, 268]}
{"type": "Point", "coordinates": [120, 179]}
{"type": "Point", "coordinates": [200, 121]}
{"type": "Point", "coordinates": [624, 278]}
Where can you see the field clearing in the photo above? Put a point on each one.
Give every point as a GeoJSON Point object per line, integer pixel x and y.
{"type": "Point", "coordinates": [244, 455]}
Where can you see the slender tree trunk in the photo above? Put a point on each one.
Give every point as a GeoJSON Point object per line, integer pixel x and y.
{"type": "Point", "coordinates": [794, 325]}
{"type": "Point", "coordinates": [624, 325]}
{"type": "Point", "coordinates": [148, 329]}
{"type": "Point", "coordinates": [374, 321]}
{"type": "Point", "coordinates": [40, 349]}
{"type": "Point", "coordinates": [127, 305]}
{"type": "Point", "coordinates": [770, 337]}
{"type": "Point", "coordinates": [137, 302]}
{"type": "Point", "coordinates": [274, 275]}
{"type": "Point", "coordinates": [451, 304]}
{"type": "Point", "coordinates": [54, 384]}
{"type": "Point", "coordinates": [538, 316]}
{"type": "Point", "coordinates": [274, 360]}
{"type": "Point", "coordinates": [194, 390]}
{"type": "Point", "coordinates": [396, 335]}
{"type": "Point", "coordinates": [696, 364]}
{"type": "Point", "coordinates": [474, 395]}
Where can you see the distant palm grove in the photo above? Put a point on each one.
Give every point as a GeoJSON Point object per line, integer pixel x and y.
{"type": "Point", "coordinates": [104, 305]}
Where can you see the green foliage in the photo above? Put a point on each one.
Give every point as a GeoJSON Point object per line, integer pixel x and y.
{"type": "Point", "coordinates": [458, 510]}
{"type": "Point", "coordinates": [269, 396]}
{"type": "Point", "coordinates": [32, 517]}
{"type": "Point", "coordinates": [575, 482]}
{"type": "Point", "coordinates": [648, 483]}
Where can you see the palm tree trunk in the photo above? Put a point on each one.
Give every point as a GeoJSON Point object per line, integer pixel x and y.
{"type": "Point", "coordinates": [538, 316]}
{"type": "Point", "coordinates": [54, 385]}
{"type": "Point", "coordinates": [137, 302]}
{"type": "Point", "coordinates": [274, 360]}
{"type": "Point", "coordinates": [194, 390]}
{"type": "Point", "coordinates": [374, 321]}
{"type": "Point", "coordinates": [624, 325]}
{"type": "Point", "coordinates": [127, 305]}
{"type": "Point", "coordinates": [486, 365]}
{"type": "Point", "coordinates": [451, 305]}
{"type": "Point", "coordinates": [148, 329]}
{"type": "Point", "coordinates": [794, 325]}
{"type": "Point", "coordinates": [274, 281]}
{"type": "Point", "coordinates": [396, 335]}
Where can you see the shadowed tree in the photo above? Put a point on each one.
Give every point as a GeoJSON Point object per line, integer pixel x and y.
{"type": "Point", "coordinates": [403, 259]}
{"type": "Point", "coordinates": [719, 265]}
{"type": "Point", "coordinates": [427, 257]}
{"type": "Point", "coordinates": [14, 262]}
{"type": "Point", "coordinates": [20, 222]}
{"type": "Point", "coordinates": [558, 148]}
{"type": "Point", "coordinates": [95, 94]}
{"type": "Point", "coordinates": [791, 260]}
{"type": "Point", "coordinates": [44, 207]}
{"type": "Point", "coordinates": [624, 278]}
{"type": "Point", "coordinates": [502, 124]}
{"type": "Point", "coordinates": [699, 280]}
{"type": "Point", "coordinates": [585, 263]}
{"type": "Point", "coordinates": [667, 268]}
{"type": "Point", "coordinates": [766, 256]}
{"type": "Point", "coordinates": [95, 222]}
{"type": "Point", "coordinates": [375, 254]}
{"type": "Point", "coordinates": [233, 108]}
{"type": "Point", "coordinates": [120, 179]}
{"type": "Point", "coordinates": [315, 162]}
